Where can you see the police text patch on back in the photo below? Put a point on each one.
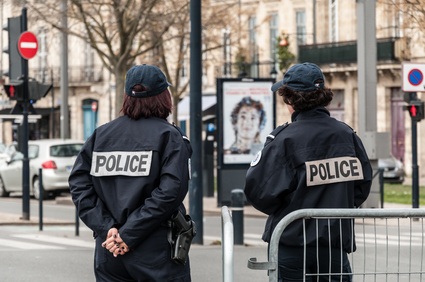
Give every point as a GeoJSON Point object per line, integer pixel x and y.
{"type": "Point", "coordinates": [121, 163]}
{"type": "Point", "coordinates": [333, 170]}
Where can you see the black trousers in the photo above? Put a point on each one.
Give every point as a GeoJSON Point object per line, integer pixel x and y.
{"type": "Point", "coordinates": [149, 262]}
{"type": "Point", "coordinates": [291, 264]}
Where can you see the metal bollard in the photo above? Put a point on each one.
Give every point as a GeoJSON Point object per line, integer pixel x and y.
{"type": "Point", "coordinates": [40, 199]}
{"type": "Point", "coordinates": [77, 222]}
{"type": "Point", "coordinates": [237, 215]}
{"type": "Point", "coordinates": [381, 186]}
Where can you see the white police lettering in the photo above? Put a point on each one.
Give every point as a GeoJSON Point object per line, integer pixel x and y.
{"type": "Point", "coordinates": [333, 170]}
{"type": "Point", "coordinates": [121, 163]}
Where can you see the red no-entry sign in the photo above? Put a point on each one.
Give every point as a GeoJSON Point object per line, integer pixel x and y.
{"type": "Point", "coordinates": [94, 106]}
{"type": "Point", "coordinates": [27, 45]}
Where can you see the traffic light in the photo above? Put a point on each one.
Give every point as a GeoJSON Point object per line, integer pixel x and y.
{"type": "Point", "coordinates": [13, 27]}
{"type": "Point", "coordinates": [416, 109]}
{"type": "Point", "coordinates": [36, 90]}
{"type": "Point", "coordinates": [15, 90]}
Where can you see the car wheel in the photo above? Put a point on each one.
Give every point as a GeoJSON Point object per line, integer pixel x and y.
{"type": "Point", "coordinates": [36, 189]}
{"type": "Point", "coordinates": [3, 192]}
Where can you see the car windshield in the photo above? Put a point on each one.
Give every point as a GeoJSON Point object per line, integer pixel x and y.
{"type": "Point", "coordinates": [32, 151]}
{"type": "Point", "coordinates": [65, 150]}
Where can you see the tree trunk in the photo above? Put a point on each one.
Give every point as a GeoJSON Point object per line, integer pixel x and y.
{"type": "Point", "coordinates": [176, 101]}
{"type": "Point", "coordinates": [119, 90]}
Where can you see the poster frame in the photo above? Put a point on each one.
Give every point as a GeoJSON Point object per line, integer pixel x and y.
{"type": "Point", "coordinates": [221, 119]}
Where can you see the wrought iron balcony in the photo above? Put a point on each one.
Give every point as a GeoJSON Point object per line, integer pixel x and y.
{"type": "Point", "coordinates": [344, 52]}
{"type": "Point", "coordinates": [76, 75]}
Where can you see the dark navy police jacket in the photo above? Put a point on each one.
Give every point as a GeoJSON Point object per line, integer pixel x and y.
{"type": "Point", "coordinates": [314, 162]}
{"type": "Point", "coordinates": [131, 174]}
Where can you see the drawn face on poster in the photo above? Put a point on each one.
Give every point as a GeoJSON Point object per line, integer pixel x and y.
{"type": "Point", "coordinates": [247, 119]}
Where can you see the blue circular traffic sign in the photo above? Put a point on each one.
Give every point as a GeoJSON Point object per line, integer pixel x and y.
{"type": "Point", "coordinates": [210, 127]}
{"type": "Point", "coordinates": [415, 77]}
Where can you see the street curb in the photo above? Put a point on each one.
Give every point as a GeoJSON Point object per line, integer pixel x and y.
{"type": "Point", "coordinates": [13, 219]}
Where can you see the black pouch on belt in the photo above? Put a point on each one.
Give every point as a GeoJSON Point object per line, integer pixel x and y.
{"type": "Point", "coordinates": [182, 232]}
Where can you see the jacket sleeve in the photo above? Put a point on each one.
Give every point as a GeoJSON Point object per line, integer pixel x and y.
{"type": "Point", "coordinates": [166, 198]}
{"type": "Point", "coordinates": [268, 180]}
{"type": "Point", "coordinates": [362, 187]}
{"type": "Point", "coordinates": [91, 208]}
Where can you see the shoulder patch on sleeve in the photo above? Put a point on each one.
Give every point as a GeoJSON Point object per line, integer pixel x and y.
{"type": "Point", "coordinates": [257, 158]}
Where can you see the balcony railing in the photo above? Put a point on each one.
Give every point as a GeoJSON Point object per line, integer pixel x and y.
{"type": "Point", "coordinates": [76, 75]}
{"type": "Point", "coordinates": [344, 52]}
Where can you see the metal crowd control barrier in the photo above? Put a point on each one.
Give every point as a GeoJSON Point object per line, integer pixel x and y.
{"type": "Point", "coordinates": [227, 244]}
{"type": "Point", "coordinates": [390, 244]}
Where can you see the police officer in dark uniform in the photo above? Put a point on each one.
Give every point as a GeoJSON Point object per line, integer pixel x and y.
{"type": "Point", "coordinates": [314, 162]}
{"type": "Point", "coordinates": [130, 177]}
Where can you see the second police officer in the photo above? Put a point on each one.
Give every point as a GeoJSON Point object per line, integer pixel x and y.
{"type": "Point", "coordinates": [314, 162]}
{"type": "Point", "coordinates": [129, 179]}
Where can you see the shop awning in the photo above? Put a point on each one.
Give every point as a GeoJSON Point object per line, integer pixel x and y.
{"type": "Point", "coordinates": [208, 101]}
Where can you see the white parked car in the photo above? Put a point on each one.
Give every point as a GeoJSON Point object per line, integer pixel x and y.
{"type": "Point", "coordinates": [56, 158]}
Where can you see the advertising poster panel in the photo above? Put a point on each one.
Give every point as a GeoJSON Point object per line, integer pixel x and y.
{"type": "Point", "coordinates": [248, 117]}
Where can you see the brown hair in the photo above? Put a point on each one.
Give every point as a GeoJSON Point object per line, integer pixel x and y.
{"type": "Point", "coordinates": [147, 107]}
{"type": "Point", "coordinates": [303, 101]}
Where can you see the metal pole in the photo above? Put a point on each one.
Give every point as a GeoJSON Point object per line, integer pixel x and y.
{"type": "Point", "coordinates": [53, 106]}
{"type": "Point", "coordinates": [227, 245]}
{"type": "Point", "coordinates": [77, 222]}
{"type": "Point", "coordinates": [366, 61]}
{"type": "Point", "coordinates": [195, 189]}
{"type": "Point", "coordinates": [415, 167]}
{"type": "Point", "coordinates": [40, 200]}
{"type": "Point", "coordinates": [237, 215]}
{"type": "Point", "coordinates": [64, 119]}
{"type": "Point", "coordinates": [314, 21]}
{"type": "Point", "coordinates": [24, 132]}
{"type": "Point", "coordinates": [381, 186]}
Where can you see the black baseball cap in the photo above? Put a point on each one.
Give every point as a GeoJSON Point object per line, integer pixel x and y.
{"type": "Point", "coordinates": [147, 75]}
{"type": "Point", "coordinates": [302, 77]}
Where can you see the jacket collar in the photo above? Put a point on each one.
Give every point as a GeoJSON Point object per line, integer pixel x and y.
{"type": "Point", "coordinates": [310, 114]}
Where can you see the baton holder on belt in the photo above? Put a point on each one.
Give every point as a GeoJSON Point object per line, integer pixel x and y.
{"type": "Point", "coordinates": [184, 229]}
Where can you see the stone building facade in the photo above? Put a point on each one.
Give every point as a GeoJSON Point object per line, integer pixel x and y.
{"type": "Point", "coordinates": [320, 31]}
{"type": "Point", "coordinates": [325, 32]}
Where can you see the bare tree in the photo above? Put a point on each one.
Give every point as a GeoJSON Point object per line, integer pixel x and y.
{"type": "Point", "coordinates": [173, 50]}
{"type": "Point", "coordinates": [119, 31]}
{"type": "Point", "coordinates": [153, 31]}
{"type": "Point", "coordinates": [409, 23]}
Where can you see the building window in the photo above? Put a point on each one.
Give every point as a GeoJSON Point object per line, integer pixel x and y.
{"type": "Point", "coordinates": [301, 29]}
{"type": "Point", "coordinates": [336, 107]}
{"type": "Point", "coordinates": [253, 50]}
{"type": "Point", "coordinates": [398, 24]}
{"type": "Point", "coordinates": [274, 34]}
{"type": "Point", "coordinates": [88, 62]}
{"type": "Point", "coordinates": [333, 22]}
{"type": "Point", "coordinates": [43, 74]}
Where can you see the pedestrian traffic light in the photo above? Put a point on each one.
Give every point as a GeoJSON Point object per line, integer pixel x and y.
{"type": "Point", "coordinates": [416, 109]}
{"type": "Point", "coordinates": [15, 90]}
{"type": "Point", "coordinates": [13, 27]}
